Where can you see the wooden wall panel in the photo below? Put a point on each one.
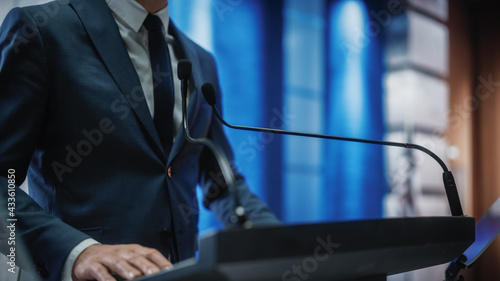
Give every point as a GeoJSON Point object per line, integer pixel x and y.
{"type": "Point", "coordinates": [475, 94]}
{"type": "Point", "coordinates": [487, 126]}
{"type": "Point", "coordinates": [460, 118]}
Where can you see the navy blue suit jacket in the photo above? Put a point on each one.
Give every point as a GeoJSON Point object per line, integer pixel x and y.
{"type": "Point", "coordinates": [74, 119]}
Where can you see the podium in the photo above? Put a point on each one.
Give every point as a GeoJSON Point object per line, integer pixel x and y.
{"type": "Point", "coordinates": [367, 250]}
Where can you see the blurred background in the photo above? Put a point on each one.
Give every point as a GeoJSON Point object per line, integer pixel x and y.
{"type": "Point", "coordinates": [421, 71]}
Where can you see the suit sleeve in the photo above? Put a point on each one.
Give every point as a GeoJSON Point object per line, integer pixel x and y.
{"type": "Point", "coordinates": [24, 95]}
{"type": "Point", "coordinates": [218, 197]}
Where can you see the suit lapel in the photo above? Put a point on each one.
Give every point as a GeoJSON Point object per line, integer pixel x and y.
{"type": "Point", "coordinates": [95, 15]}
{"type": "Point", "coordinates": [103, 32]}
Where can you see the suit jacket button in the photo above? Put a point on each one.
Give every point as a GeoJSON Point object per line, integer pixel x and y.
{"type": "Point", "coordinates": [169, 172]}
{"type": "Point", "coordinates": [42, 271]}
{"type": "Point", "coordinates": [166, 232]}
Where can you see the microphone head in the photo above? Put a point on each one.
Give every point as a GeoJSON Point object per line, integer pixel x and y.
{"type": "Point", "coordinates": [209, 93]}
{"type": "Point", "coordinates": [184, 69]}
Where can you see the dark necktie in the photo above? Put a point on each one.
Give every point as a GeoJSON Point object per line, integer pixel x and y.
{"type": "Point", "coordinates": [162, 82]}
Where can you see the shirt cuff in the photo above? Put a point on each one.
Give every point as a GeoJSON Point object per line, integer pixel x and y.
{"type": "Point", "coordinates": [70, 260]}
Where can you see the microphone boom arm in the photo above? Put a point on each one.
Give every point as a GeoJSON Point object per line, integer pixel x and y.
{"type": "Point", "coordinates": [301, 134]}
{"type": "Point", "coordinates": [449, 181]}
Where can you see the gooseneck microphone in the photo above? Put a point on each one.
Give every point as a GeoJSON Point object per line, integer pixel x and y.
{"type": "Point", "coordinates": [449, 181]}
{"type": "Point", "coordinates": [239, 217]}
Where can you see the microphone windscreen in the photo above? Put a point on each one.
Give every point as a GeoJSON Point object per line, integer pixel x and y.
{"type": "Point", "coordinates": [184, 69]}
{"type": "Point", "coordinates": [209, 93]}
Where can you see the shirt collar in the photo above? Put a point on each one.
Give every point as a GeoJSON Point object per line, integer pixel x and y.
{"type": "Point", "coordinates": [133, 14]}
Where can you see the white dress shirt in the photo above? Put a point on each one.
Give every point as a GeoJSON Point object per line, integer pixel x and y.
{"type": "Point", "coordinates": [129, 16]}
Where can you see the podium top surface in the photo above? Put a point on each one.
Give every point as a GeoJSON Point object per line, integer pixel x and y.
{"type": "Point", "coordinates": [327, 251]}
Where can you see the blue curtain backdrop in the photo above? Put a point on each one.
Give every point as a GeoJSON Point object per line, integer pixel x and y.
{"type": "Point", "coordinates": [355, 183]}
{"type": "Point", "coordinates": [312, 66]}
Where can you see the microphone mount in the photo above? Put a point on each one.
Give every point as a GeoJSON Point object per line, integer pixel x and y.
{"type": "Point", "coordinates": [239, 217]}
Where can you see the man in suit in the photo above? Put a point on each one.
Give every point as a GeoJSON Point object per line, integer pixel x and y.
{"type": "Point", "coordinates": [110, 190]}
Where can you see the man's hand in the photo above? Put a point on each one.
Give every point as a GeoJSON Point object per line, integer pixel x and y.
{"type": "Point", "coordinates": [98, 262]}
